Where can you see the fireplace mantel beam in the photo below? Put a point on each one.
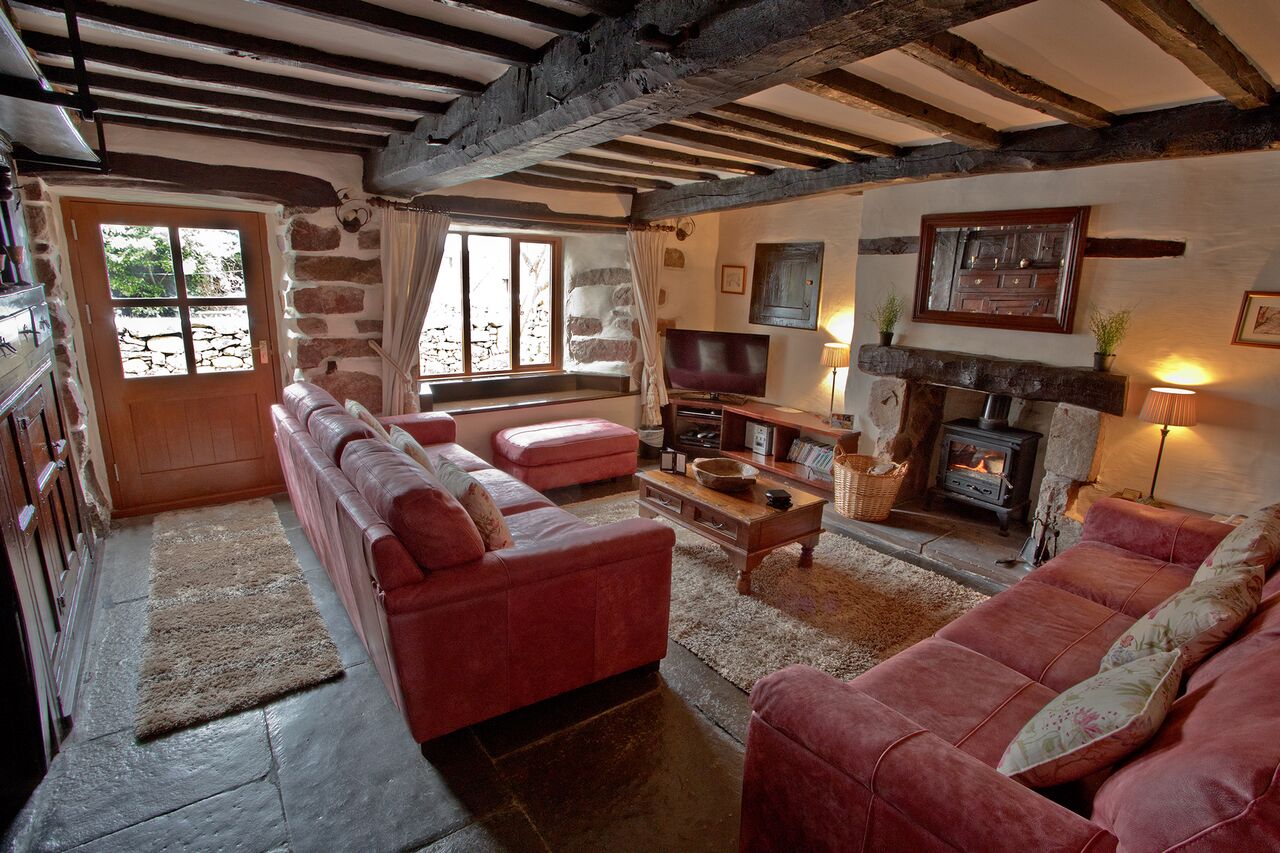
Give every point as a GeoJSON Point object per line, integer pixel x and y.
{"type": "Point", "coordinates": [1030, 380]}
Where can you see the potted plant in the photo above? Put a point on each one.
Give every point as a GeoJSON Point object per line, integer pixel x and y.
{"type": "Point", "coordinates": [1109, 329]}
{"type": "Point", "coordinates": [886, 316]}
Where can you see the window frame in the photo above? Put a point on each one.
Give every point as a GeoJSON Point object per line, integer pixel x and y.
{"type": "Point", "coordinates": [557, 308]}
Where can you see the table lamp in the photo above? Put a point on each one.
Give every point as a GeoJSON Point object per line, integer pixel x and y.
{"type": "Point", "coordinates": [834, 356]}
{"type": "Point", "coordinates": [1167, 407]}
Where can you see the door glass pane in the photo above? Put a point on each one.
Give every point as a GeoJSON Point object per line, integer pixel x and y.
{"type": "Point", "coordinates": [440, 347]}
{"type": "Point", "coordinates": [535, 303]}
{"type": "Point", "coordinates": [139, 261]}
{"type": "Point", "coordinates": [490, 297]}
{"type": "Point", "coordinates": [220, 336]}
{"type": "Point", "coordinates": [212, 262]}
{"type": "Point", "coordinates": [150, 342]}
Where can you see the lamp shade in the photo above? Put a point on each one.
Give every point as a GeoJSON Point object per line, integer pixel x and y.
{"type": "Point", "coordinates": [835, 355]}
{"type": "Point", "coordinates": [1169, 407]}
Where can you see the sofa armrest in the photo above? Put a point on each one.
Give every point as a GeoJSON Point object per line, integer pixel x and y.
{"type": "Point", "coordinates": [899, 785]}
{"type": "Point", "coordinates": [425, 427]}
{"type": "Point", "coordinates": [1163, 534]}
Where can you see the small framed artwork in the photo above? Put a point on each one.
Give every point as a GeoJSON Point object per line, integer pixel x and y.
{"type": "Point", "coordinates": [733, 279]}
{"type": "Point", "coordinates": [1259, 321]}
{"type": "Point", "coordinates": [841, 421]}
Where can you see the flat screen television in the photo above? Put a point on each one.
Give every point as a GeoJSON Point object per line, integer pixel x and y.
{"type": "Point", "coordinates": [716, 362]}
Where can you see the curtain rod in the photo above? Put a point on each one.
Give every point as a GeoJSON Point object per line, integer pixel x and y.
{"type": "Point", "coordinates": [566, 219]}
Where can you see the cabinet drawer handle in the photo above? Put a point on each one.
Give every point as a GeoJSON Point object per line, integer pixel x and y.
{"type": "Point", "coordinates": [668, 504]}
{"type": "Point", "coordinates": [714, 525]}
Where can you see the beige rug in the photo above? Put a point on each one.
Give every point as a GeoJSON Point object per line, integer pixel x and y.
{"type": "Point", "coordinates": [852, 609]}
{"type": "Point", "coordinates": [230, 620]}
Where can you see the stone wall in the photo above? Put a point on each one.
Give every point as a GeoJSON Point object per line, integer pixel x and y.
{"type": "Point", "coordinates": [601, 333]}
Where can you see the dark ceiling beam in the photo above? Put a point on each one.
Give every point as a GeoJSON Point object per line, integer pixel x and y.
{"type": "Point", "coordinates": [599, 177]}
{"type": "Point", "coordinates": [541, 17]}
{"type": "Point", "coordinates": [174, 32]}
{"type": "Point", "coordinates": [862, 94]}
{"type": "Point", "coordinates": [641, 168]}
{"type": "Point", "coordinates": [805, 129]}
{"type": "Point", "coordinates": [142, 109]}
{"type": "Point", "coordinates": [228, 133]}
{"type": "Point", "coordinates": [682, 158]}
{"type": "Point", "coordinates": [1181, 31]}
{"type": "Point", "coordinates": [964, 61]}
{"type": "Point", "coordinates": [371, 18]}
{"type": "Point", "coordinates": [1192, 131]}
{"type": "Point", "coordinates": [663, 60]}
{"type": "Point", "coordinates": [612, 8]}
{"type": "Point", "coordinates": [717, 124]}
{"type": "Point", "coordinates": [732, 145]}
{"type": "Point", "coordinates": [205, 73]}
{"type": "Point", "coordinates": [546, 183]}
{"type": "Point", "coordinates": [229, 102]}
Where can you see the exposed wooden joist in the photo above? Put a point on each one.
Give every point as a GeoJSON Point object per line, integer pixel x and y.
{"type": "Point", "coordinates": [862, 94]}
{"type": "Point", "coordinates": [905, 245]}
{"type": "Point", "coordinates": [603, 7]}
{"type": "Point", "coordinates": [682, 158]}
{"type": "Point", "coordinates": [206, 73]}
{"type": "Point", "coordinates": [1094, 247]}
{"type": "Point", "coordinates": [545, 18]}
{"type": "Point", "coordinates": [612, 178]}
{"type": "Point", "coordinates": [962, 60]}
{"type": "Point", "coordinates": [505, 213]}
{"type": "Point", "coordinates": [776, 138]}
{"type": "Point", "coordinates": [142, 109]}
{"type": "Point", "coordinates": [371, 18]}
{"type": "Point", "coordinates": [1191, 131]}
{"type": "Point", "coordinates": [641, 168]}
{"type": "Point", "coordinates": [228, 133]}
{"type": "Point", "coordinates": [805, 129]}
{"type": "Point", "coordinates": [1180, 30]}
{"type": "Point", "coordinates": [732, 145]}
{"type": "Point", "coordinates": [608, 82]}
{"type": "Point", "coordinates": [228, 102]}
{"type": "Point", "coordinates": [174, 31]}
{"type": "Point", "coordinates": [543, 182]}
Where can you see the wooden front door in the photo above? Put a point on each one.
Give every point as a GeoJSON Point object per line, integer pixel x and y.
{"type": "Point", "coordinates": [178, 324]}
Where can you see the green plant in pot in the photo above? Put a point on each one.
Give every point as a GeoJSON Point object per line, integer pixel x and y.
{"type": "Point", "coordinates": [887, 314]}
{"type": "Point", "coordinates": [1109, 329]}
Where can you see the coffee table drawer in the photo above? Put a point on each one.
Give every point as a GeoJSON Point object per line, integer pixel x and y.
{"type": "Point", "coordinates": [714, 524]}
{"type": "Point", "coordinates": [661, 499]}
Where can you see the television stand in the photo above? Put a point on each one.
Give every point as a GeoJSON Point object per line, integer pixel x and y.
{"type": "Point", "coordinates": [710, 397]}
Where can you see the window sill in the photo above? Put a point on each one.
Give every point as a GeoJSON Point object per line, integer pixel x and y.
{"type": "Point", "coordinates": [495, 393]}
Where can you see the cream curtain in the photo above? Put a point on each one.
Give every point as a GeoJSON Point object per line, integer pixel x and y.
{"type": "Point", "coordinates": [644, 250]}
{"type": "Point", "coordinates": [412, 248]}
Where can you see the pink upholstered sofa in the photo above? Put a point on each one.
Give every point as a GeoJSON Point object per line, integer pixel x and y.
{"type": "Point", "coordinates": [459, 634]}
{"type": "Point", "coordinates": [902, 757]}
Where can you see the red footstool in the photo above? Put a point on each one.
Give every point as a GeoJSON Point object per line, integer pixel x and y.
{"type": "Point", "coordinates": [566, 453]}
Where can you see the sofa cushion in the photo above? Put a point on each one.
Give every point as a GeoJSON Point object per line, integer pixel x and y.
{"type": "Point", "coordinates": [361, 413]}
{"type": "Point", "coordinates": [409, 445]}
{"type": "Point", "coordinates": [1113, 577]}
{"type": "Point", "coordinates": [333, 429]}
{"type": "Point", "coordinates": [540, 525]}
{"type": "Point", "coordinates": [476, 501]}
{"type": "Point", "coordinates": [564, 441]}
{"type": "Point", "coordinates": [435, 529]}
{"type": "Point", "coordinates": [508, 493]}
{"type": "Point", "coordinates": [457, 454]}
{"type": "Point", "coordinates": [1095, 723]}
{"type": "Point", "coordinates": [301, 399]}
{"type": "Point", "coordinates": [1253, 545]}
{"type": "Point", "coordinates": [1262, 631]}
{"type": "Point", "coordinates": [1161, 534]}
{"type": "Point", "coordinates": [967, 699]}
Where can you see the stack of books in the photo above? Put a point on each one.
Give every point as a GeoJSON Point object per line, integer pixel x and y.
{"type": "Point", "coordinates": [817, 456]}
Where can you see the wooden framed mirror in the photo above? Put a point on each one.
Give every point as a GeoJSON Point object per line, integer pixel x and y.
{"type": "Point", "coordinates": [1004, 269]}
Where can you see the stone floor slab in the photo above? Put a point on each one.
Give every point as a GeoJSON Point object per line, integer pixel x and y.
{"type": "Point", "coordinates": [125, 570]}
{"type": "Point", "coordinates": [108, 699]}
{"type": "Point", "coordinates": [722, 701]}
{"type": "Point", "coordinates": [506, 832]}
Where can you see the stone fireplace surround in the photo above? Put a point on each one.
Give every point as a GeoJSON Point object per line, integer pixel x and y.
{"type": "Point", "coordinates": [906, 405]}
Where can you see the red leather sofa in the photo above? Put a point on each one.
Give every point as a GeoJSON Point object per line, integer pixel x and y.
{"type": "Point", "coordinates": [459, 634]}
{"type": "Point", "coordinates": [902, 757]}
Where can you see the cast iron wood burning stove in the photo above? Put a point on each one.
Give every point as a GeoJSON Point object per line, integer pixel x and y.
{"type": "Point", "coordinates": [986, 463]}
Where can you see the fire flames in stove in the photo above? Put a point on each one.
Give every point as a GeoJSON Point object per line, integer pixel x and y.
{"type": "Point", "coordinates": [976, 461]}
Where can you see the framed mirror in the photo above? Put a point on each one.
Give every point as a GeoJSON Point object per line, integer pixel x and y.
{"type": "Point", "coordinates": [1005, 269]}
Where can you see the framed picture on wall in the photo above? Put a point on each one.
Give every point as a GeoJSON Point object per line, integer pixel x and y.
{"type": "Point", "coordinates": [733, 279]}
{"type": "Point", "coordinates": [1259, 321]}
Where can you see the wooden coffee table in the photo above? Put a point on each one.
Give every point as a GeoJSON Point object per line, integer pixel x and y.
{"type": "Point", "coordinates": [740, 522]}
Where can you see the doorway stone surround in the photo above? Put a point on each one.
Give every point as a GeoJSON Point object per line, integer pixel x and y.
{"type": "Point", "coordinates": [907, 401]}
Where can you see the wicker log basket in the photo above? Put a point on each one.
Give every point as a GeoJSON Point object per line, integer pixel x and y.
{"type": "Point", "coordinates": [860, 494]}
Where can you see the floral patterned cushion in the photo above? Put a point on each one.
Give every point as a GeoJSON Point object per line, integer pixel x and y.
{"type": "Point", "coordinates": [358, 411]}
{"type": "Point", "coordinates": [478, 503]}
{"type": "Point", "coordinates": [1254, 545]}
{"type": "Point", "coordinates": [402, 441]}
{"type": "Point", "coordinates": [1196, 619]}
{"type": "Point", "coordinates": [1095, 723]}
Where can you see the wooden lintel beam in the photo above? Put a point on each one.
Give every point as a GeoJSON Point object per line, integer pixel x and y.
{"type": "Point", "coordinates": [1094, 247]}
{"type": "Point", "coordinates": [862, 94]}
{"type": "Point", "coordinates": [640, 168]}
{"type": "Point", "coordinates": [682, 158]}
{"type": "Point", "coordinates": [141, 109]}
{"type": "Point", "coordinates": [805, 129]}
{"type": "Point", "coordinates": [187, 71]}
{"type": "Point", "coordinates": [136, 23]}
{"type": "Point", "coordinates": [775, 138]}
{"type": "Point", "coordinates": [228, 133]}
{"type": "Point", "coordinates": [545, 18]}
{"type": "Point", "coordinates": [732, 145]}
{"type": "Point", "coordinates": [612, 178]}
{"type": "Point", "coordinates": [1191, 131]}
{"type": "Point", "coordinates": [962, 60]}
{"type": "Point", "coordinates": [372, 18]}
{"type": "Point", "coordinates": [544, 182]}
{"type": "Point", "coordinates": [509, 213]}
{"type": "Point", "coordinates": [229, 102]}
{"type": "Point", "coordinates": [1180, 30]}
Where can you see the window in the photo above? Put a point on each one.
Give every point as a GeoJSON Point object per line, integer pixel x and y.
{"type": "Point", "coordinates": [495, 307]}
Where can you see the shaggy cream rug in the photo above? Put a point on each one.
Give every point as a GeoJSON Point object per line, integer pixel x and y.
{"type": "Point", "coordinates": [854, 608]}
{"type": "Point", "coordinates": [230, 620]}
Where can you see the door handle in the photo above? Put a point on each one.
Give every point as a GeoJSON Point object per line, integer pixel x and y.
{"type": "Point", "coordinates": [264, 352]}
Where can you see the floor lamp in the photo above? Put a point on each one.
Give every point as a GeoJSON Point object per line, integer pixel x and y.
{"type": "Point", "coordinates": [834, 356]}
{"type": "Point", "coordinates": [1168, 407]}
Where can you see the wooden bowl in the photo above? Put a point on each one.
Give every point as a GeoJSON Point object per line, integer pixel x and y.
{"type": "Point", "coordinates": [724, 475]}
